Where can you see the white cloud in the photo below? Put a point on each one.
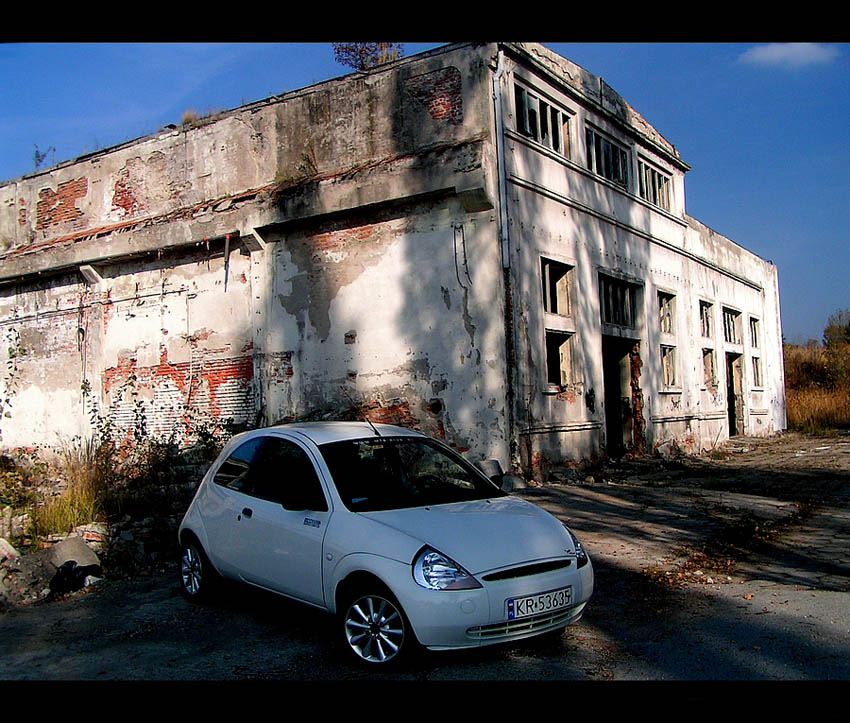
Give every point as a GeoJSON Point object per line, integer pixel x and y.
{"type": "Point", "coordinates": [790, 55]}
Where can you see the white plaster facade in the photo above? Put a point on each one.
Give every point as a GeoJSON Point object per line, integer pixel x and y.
{"type": "Point", "coordinates": [384, 238]}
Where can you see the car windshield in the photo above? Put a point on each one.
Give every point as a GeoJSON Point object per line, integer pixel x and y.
{"type": "Point", "coordinates": [395, 472]}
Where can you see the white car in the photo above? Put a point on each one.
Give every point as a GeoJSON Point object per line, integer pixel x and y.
{"type": "Point", "coordinates": [393, 531]}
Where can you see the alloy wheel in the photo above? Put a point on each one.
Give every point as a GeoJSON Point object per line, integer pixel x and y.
{"type": "Point", "coordinates": [191, 570]}
{"type": "Point", "coordinates": [374, 629]}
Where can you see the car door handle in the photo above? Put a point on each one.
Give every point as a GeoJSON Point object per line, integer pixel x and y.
{"type": "Point", "coordinates": [247, 511]}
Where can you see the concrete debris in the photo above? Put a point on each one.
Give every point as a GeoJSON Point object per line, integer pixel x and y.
{"type": "Point", "coordinates": [71, 577]}
{"type": "Point", "coordinates": [66, 566]}
{"type": "Point", "coordinates": [7, 552]}
{"type": "Point", "coordinates": [72, 549]}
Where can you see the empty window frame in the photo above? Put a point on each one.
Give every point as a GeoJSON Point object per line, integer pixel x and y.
{"type": "Point", "coordinates": [709, 372]}
{"type": "Point", "coordinates": [668, 365]}
{"type": "Point", "coordinates": [605, 158]}
{"type": "Point", "coordinates": [654, 186]}
{"type": "Point", "coordinates": [541, 121]}
{"type": "Point", "coordinates": [618, 301]}
{"type": "Point", "coordinates": [665, 310]}
{"type": "Point", "coordinates": [757, 380]}
{"type": "Point", "coordinates": [559, 358]}
{"type": "Point", "coordinates": [732, 326]}
{"type": "Point", "coordinates": [557, 279]}
{"type": "Point", "coordinates": [706, 309]}
{"type": "Point", "coordinates": [754, 333]}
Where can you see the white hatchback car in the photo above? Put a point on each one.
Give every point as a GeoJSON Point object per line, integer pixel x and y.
{"type": "Point", "coordinates": [388, 528]}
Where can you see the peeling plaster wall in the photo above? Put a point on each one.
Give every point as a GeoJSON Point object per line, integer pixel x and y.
{"type": "Point", "coordinates": [159, 331]}
{"type": "Point", "coordinates": [340, 248]}
{"type": "Point", "coordinates": [563, 212]}
{"type": "Point", "coordinates": [375, 313]}
{"type": "Point", "coordinates": [184, 337]}
{"type": "Point", "coordinates": [363, 264]}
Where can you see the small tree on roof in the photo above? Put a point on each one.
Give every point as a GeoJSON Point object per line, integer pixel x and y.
{"type": "Point", "coordinates": [365, 56]}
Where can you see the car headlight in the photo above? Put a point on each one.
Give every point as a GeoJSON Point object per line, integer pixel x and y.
{"type": "Point", "coordinates": [581, 555]}
{"type": "Point", "coordinates": [435, 571]}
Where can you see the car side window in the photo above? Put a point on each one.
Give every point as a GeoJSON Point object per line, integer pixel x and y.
{"type": "Point", "coordinates": [285, 473]}
{"type": "Point", "coordinates": [235, 471]}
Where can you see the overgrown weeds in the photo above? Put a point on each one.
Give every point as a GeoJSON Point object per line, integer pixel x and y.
{"type": "Point", "coordinates": [817, 381]}
{"type": "Point", "coordinates": [21, 473]}
{"type": "Point", "coordinates": [83, 492]}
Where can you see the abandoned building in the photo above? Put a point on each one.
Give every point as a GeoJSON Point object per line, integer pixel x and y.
{"type": "Point", "coordinates": [483, 241]}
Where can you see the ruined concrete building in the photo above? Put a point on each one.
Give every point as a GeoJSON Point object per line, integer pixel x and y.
{"type": "Point", "coordinates": [484, 241]}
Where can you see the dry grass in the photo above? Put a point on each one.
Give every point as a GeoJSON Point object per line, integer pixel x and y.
{"type": "Point", "coordinates": [817, 381]}
{"type": "Point", "coordinates": [818, 410]}
{"type": "Point", "coordinates": [80, 464]}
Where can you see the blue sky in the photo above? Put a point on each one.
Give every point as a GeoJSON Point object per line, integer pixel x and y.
{"type": "Point", "coordinates": [765, 128]}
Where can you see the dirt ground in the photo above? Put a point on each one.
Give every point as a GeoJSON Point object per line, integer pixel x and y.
{"type": "Point", "coordinates": [734, 565]}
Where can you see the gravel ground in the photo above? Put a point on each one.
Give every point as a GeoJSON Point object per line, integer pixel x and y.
{"type": "Point", "coordinates": [734, 566]}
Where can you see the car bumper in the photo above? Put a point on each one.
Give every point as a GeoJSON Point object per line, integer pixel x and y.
{"type": "Point", "coordinates": [445, 620]}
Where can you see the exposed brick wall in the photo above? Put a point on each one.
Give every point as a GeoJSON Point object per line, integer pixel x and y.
{"type": "Point", "coordinates": [219, 387]}
{"type": "Point", "coordinates": [639, 430]}
{"type": "Point", "coordinates": [58, 206]}
{"type": "Point", "coordinates": [440, 93]}
{"type": "Point", "coordinates": [124, 195]}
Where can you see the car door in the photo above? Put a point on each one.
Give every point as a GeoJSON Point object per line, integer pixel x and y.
{"type": "Point", "coordinates": [279, 532]}
{"type": "Point", "coordinates": [222, 502]}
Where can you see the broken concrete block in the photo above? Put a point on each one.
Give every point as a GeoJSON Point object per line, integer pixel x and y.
{"type": "Point", "coordinates": [7, 552]}
{"type": "Point", "coordinates": [73, 549]}
{"type": "Point", "coordinates": [70, 577]}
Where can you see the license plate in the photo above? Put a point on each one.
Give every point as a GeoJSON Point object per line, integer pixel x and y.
{"type": "Point", "coordinates": [520, 607]}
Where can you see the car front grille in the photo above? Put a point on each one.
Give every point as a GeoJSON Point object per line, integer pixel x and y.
{"type": "Point", "coordinates": [526, 626]}
{"type": "Point", "coordinates": [524, 570]}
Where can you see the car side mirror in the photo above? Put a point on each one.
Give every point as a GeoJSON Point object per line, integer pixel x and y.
{"type": "Point", "coordinates": [511, 482]}
{"type": "Point", "coordinates": [492, 470]}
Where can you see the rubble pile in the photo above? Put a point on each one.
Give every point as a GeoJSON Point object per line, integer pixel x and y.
{"type": "Point", "coordinates": [67, 563]}
{"type": "Point", "coordinates": [57, 569]}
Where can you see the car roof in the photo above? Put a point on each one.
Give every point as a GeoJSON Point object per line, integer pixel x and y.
{"type": "Point", "coordinates": [323, 432]}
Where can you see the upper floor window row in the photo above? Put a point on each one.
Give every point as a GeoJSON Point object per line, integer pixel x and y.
{"type": "Point", "coordinates": [542, 122]}
{"type": "Point", "coordinates": [653, 185]}
{"type": "Point", "coordinates": [605, 158]}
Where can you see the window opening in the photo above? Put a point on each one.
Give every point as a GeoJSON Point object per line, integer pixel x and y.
{"type": "Point", "coordinates": [541, 121]}
{"type": "Point", "coordinates": [618, 302]}
{"type": "Point", "coordinates": [665, 309]}
{"type": "Point", "coordinates": [653, 185]}
{"type": "Point", "coordinates": [709, 373]}
{"type": "Point", "coordinates": [559, 358]}
{"type": "Point", "coordinates": [605, 158]}
{"type": "Point", "coordinates": [754, 333]}
{"type": "Point", "coordinates": [668, 365]}
{"type": "Point", "coordinates": [757, 382]}
{"type": "Point", "coordinates": [556, 278]}
{"type": "Point", "coordinates": [732, 326]}
{"type": "Point", "coordinates": [705, 310]}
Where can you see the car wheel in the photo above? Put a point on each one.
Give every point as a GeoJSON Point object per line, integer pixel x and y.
{"type": "Point", "coordinates": [197, 575]}
{"type": "Point", "coordinates": [376, 629]}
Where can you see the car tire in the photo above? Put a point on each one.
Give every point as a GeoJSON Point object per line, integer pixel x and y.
{"type": "Point", "coordinates": [375, 629]}
{"type": "Point", "coordinates": [197, 575]}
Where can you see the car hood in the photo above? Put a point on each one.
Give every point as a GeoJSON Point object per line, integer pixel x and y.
{"type": "Point", "coordinates": [483, 535]}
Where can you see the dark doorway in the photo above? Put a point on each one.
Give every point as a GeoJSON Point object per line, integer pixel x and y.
{"type": "Point", "coordinates": [617, 378]}
{"type": "Point", "coordinates": [734, 393]}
